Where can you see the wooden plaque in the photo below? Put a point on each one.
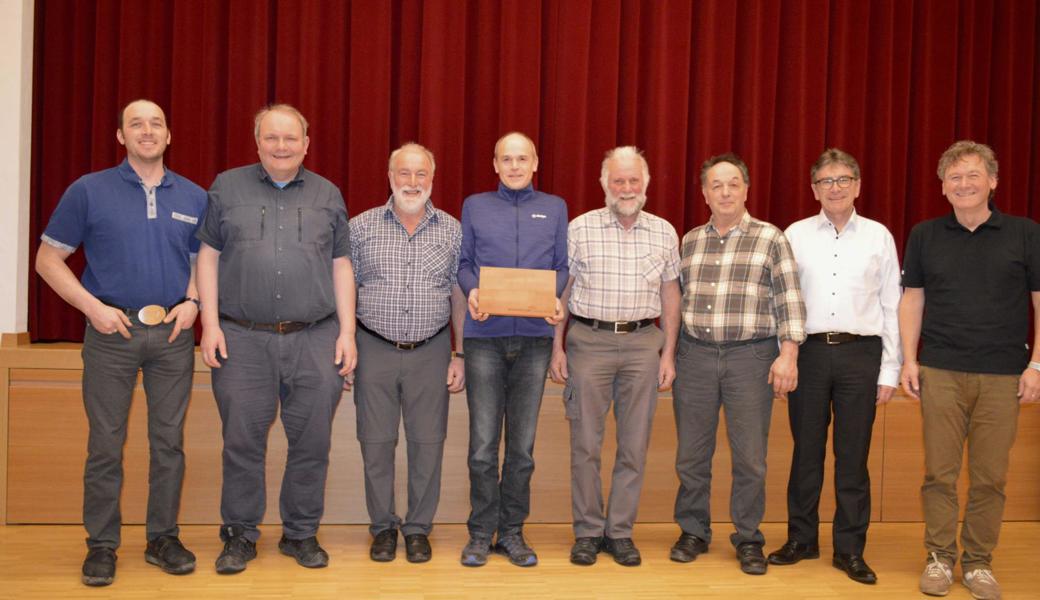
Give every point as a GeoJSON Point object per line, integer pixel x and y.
{"type": "Point", "coordinates": [517, 292]}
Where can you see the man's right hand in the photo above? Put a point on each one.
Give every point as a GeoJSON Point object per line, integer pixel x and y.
{"type": "Point", "coordinates": [212, 342]}
{"type": "Point", "coordinates": [475, 314]}
{"type": "Point", "coordinates": [910, 379]}
{"type": "Point", "coordinates": [558, 366]}
{"type": "Point", "coordinates": [107, 320]}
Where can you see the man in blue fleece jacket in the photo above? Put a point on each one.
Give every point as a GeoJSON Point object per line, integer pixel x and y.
{"type": "Point", "coordinates": [507, 357]}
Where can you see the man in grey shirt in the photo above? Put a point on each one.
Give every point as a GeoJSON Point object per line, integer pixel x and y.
{"type": "Point", "coordinates": [277, 291]}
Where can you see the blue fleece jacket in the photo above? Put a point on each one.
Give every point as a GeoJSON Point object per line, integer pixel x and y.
{"type": "Point", "coordinates": [512, 228]}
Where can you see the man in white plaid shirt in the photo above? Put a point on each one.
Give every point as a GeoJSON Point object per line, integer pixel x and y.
{"type": "Point", "coordinates": [624, 274]}
{"type": "Point", "coordinates": [743, 319]}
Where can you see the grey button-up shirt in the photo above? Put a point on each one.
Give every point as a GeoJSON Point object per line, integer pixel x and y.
{"type": "Point", "coordinates": [276, 245]}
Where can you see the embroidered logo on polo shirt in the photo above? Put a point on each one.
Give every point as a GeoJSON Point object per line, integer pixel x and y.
{"type": "Point", "coordinates": [184, 218]}
{"type": "Point", "coordinates": [538, 216]}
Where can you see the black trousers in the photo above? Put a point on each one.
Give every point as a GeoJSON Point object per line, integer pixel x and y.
{"type": "Point", "coordinates": [841, 380]}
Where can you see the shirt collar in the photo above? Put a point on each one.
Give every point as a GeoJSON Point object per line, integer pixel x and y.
{"type": "Point", "coordinates": [515, 195]}
{"type": "Point", "coordinates": [263, 175]}
{"type": "Point", "coordinates": [609, 219]}
{"type": "Point", "coordinates": [743, 225]}
{"type": "Point", "coordinates": [822, 221]}
{"type": "Point", "coordinates": [129, 174]}
{"type": "Point", "coordinates": [429, 213]}
{"type": "Point", "coordinates": [995, 220]}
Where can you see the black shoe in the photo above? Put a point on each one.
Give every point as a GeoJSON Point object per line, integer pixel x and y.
{"type": "Point", "coordinates": [687, 548]}
{"type": "Point", "coordinates": [167, 553]}
{"type": "Point", "coordinates": [585, 549]}
{"type": "Point", "coordinates": [384, 546]}
{"type": "Point", "coordinates": [855, 567]}
{"type": "Point", "coordinates": [307, 552]}
{"type": "Point", "coordinates": [99, 568]}
{"type": "Point", "coordinates": [417, 548]}
{"type": "Point", "coordinates": [237, 550]}
{"type": "Point", "coordinates": [516, 549]}
{"type": "Point", "coordinates": [792, 552]}
{"type": "Point", "coordinates": [623, 550]}
{"type": "Point", "coordinates": [752, 561]}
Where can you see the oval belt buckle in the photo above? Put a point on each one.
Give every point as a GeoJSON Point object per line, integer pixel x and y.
{"type": "Point", "coordinates": [153, 314]}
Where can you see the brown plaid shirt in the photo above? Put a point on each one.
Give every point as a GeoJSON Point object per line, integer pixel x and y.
{"type": "Point", "coordinates": [743, 286]}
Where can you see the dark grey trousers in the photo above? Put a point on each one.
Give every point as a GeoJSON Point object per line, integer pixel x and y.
{"type": "Point", "coordinates": [390, 383]}
{"type": "Point", "coordinates": [608, 369]}
{"type": "Point", "coordinates": [110, 366]}
{"type": "Point", "coordinates": [734, 378]}
{"type": "Point", "coordinates": [265, 371]}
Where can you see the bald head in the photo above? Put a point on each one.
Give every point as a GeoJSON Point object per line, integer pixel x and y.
{"type": "Point", "coordinates": [516, 160]}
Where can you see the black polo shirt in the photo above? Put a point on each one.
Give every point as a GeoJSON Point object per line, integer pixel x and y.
{"type": "Point", "coordinates": [976, 291]}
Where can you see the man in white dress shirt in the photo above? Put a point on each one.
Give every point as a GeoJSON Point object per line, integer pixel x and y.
{"type": "Point", "coordinates": [849, 274]}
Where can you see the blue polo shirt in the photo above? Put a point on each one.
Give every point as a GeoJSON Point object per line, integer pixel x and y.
{"type": "Point", "coordinates": [512, 228]}
{"type": "Point", "coordinates": [139, 246]}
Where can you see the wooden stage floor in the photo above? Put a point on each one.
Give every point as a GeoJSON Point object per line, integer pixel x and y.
{"type": "Point", "coordinates": [43, 561]}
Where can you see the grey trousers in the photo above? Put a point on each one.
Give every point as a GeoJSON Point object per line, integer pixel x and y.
{"type": "Point", "coordinates": [110, 366]}
{"type": "Point", "coordinates": [733, 377]}
{"type": "Point", "coordinates": [390, 382]}
{"type": "Point", "coordinates": [265, 370]}
{"type": "Point", "coordinates": [607, 369]}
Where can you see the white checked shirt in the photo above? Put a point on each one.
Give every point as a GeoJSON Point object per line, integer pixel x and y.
{"type": "Point", "coordinates": [850, 282]}
{"type": "Point", "coordinates": [618, 272]}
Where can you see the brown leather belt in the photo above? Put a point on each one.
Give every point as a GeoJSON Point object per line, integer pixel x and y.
{"type": "Point", "coordinates": [833, 338]}
{"type": "Point", "coordinates": [281, 327]}
{"type": "Point", "coordinates": [613, 326]}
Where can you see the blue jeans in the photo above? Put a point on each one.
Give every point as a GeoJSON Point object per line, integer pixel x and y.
{"type": "Point", "coordinates": [505, 378]}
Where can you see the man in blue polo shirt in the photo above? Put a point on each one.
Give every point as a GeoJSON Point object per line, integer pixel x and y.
{"type": "Point", "coordinates": [507, 357]}
{"type": "Point", "coordinates": [136, 223]}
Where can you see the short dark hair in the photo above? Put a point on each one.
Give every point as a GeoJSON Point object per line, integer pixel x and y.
{"type": "Point", "coordinates": [119, 117]}
{"type": "Point", "coordinates": [730, 158]}
{"type": "Point", "coordinates": [834, 156]}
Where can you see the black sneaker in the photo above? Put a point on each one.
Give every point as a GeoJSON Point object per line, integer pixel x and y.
{"type": "Point", "coordinates": [585, 549]}
{"type": "Point", "coordinates": [384, 546]}
{"type": "Point", "coordinates": [99, 568]}
{"type": "Point", "coordinates": [307, 552]}
{"type": "Point", "coordinates": [623, 550]}
{"type": "Point", "coordinates": [516, 549]}
{"type": "Point", "coordinates": [169, 554]}
{"type": "Point", "coordinates": [237, 550]}
{"type": "Point", "coordinates": [687, 548]}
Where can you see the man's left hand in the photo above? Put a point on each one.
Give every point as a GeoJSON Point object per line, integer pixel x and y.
{"type": "Point", "coordinates": [665, 373]}
{"type": "Point", "coordinates": [456, 375]}
{"type": "Point", "coordinates": [884, 393]}
{"type": "Point", "coordinates": [784, 374]}
{"type": "Point", "coordinates": [183, 317]}
{"type": "Point", "coordinates": [346, 354]}
{"type": "Point", "coordinates": [1029, 386]}
{"type": "Point", "coordinates": [557, 316]}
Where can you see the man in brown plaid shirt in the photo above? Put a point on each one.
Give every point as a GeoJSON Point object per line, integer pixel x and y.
{"type": "Point", "coordinates": [743, 318]}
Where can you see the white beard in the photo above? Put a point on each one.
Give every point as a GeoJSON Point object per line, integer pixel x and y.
{"type": "Point", "coordinates": [407, 205]}
{"type": "Point", "coordinates": [614, 204]}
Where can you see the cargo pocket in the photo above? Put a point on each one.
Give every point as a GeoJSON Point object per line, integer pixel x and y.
{"type": "Point", "coordinates": [571, 408]}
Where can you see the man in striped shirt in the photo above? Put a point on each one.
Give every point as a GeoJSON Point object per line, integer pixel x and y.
{"type": "Point", "coordinates": [624, 274]}
{"type": "Point", "coordinates": [406, 255]}
{"type": "Point", "coordinates": [743, 319]}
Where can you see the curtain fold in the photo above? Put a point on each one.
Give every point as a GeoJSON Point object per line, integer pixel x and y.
{"type": "Point", "coordinates": [893, 82]}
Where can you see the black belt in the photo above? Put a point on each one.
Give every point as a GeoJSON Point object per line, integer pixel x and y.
{"type": "Point", "coordinates": [281, 327]}
{"type": "Point", "coordinates": [150, 315]}
{"type": "Point", "coordinates": [724, 344]}
{"type": "Point", "coordinates": [614, 326]}
{"type": "Point", "coordinates": [833, 338]}
{"type": "Point", "coordinates": [400, 345]}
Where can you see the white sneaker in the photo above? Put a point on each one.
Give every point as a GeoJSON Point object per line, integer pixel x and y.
{"type": "Point", "coordinates": [982, 584]}
{"type": "Point", "coordinates": [937, 577]}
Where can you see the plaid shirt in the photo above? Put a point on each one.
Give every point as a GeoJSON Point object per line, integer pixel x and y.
{"type": "Point", "coordinates": [743, 286]}
{"type": "Point", "coordinates": [404, 281]}
{"type": "Point", "coordinates": [618, 272]}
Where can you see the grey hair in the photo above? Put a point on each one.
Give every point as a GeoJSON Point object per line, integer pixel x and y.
{"type": "Point", "coordinates": [623, 152]}
{"type": "Point", "coordinates": [412, 146]}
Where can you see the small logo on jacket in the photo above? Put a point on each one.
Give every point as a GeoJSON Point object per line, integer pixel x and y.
{"type": "Point", "coordinates": [538, 216]}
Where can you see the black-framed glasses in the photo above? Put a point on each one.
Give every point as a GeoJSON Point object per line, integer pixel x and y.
{"type": "Point", "coordinates": [828, 182]}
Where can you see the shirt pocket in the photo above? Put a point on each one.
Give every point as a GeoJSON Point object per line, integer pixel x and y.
{"type": "Point", "coordinates": [246, 223]}
{"type": "Point", "coordinates": [313, 226]}
{"type": "Point", "coordinates": [651, 267]}
{"type": "Point", "coordinates": [436, 262]}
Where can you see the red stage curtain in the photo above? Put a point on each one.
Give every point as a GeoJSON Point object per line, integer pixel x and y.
{"type": "Point", "coordinates": [892, 82]}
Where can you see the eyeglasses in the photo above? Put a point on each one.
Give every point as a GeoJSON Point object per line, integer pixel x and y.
{"type": "Point", "coordinates": [843, 182]}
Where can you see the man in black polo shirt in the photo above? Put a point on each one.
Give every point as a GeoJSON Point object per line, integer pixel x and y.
{"type": "Point", "coordinates": [969, 278]}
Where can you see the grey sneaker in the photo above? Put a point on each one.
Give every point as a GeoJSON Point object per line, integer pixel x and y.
{"type": "Point", "coordinates": [937, 577]}
{"type": "Point", "coordinates": [237, 550]}
{"type": "Point", "coordinates": [169, 554]}
{"type": "Point", "coordinates": [475, 554]}
{"type": "Point", "coordinates": [519, 553]}
{"type": "Point", "coordinates": [982, 584]}
{"type": "Point", "coordinates": [99, 568]}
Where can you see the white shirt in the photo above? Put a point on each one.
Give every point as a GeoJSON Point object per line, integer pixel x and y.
{"type": "Point", "coordinates": [850, 282]}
